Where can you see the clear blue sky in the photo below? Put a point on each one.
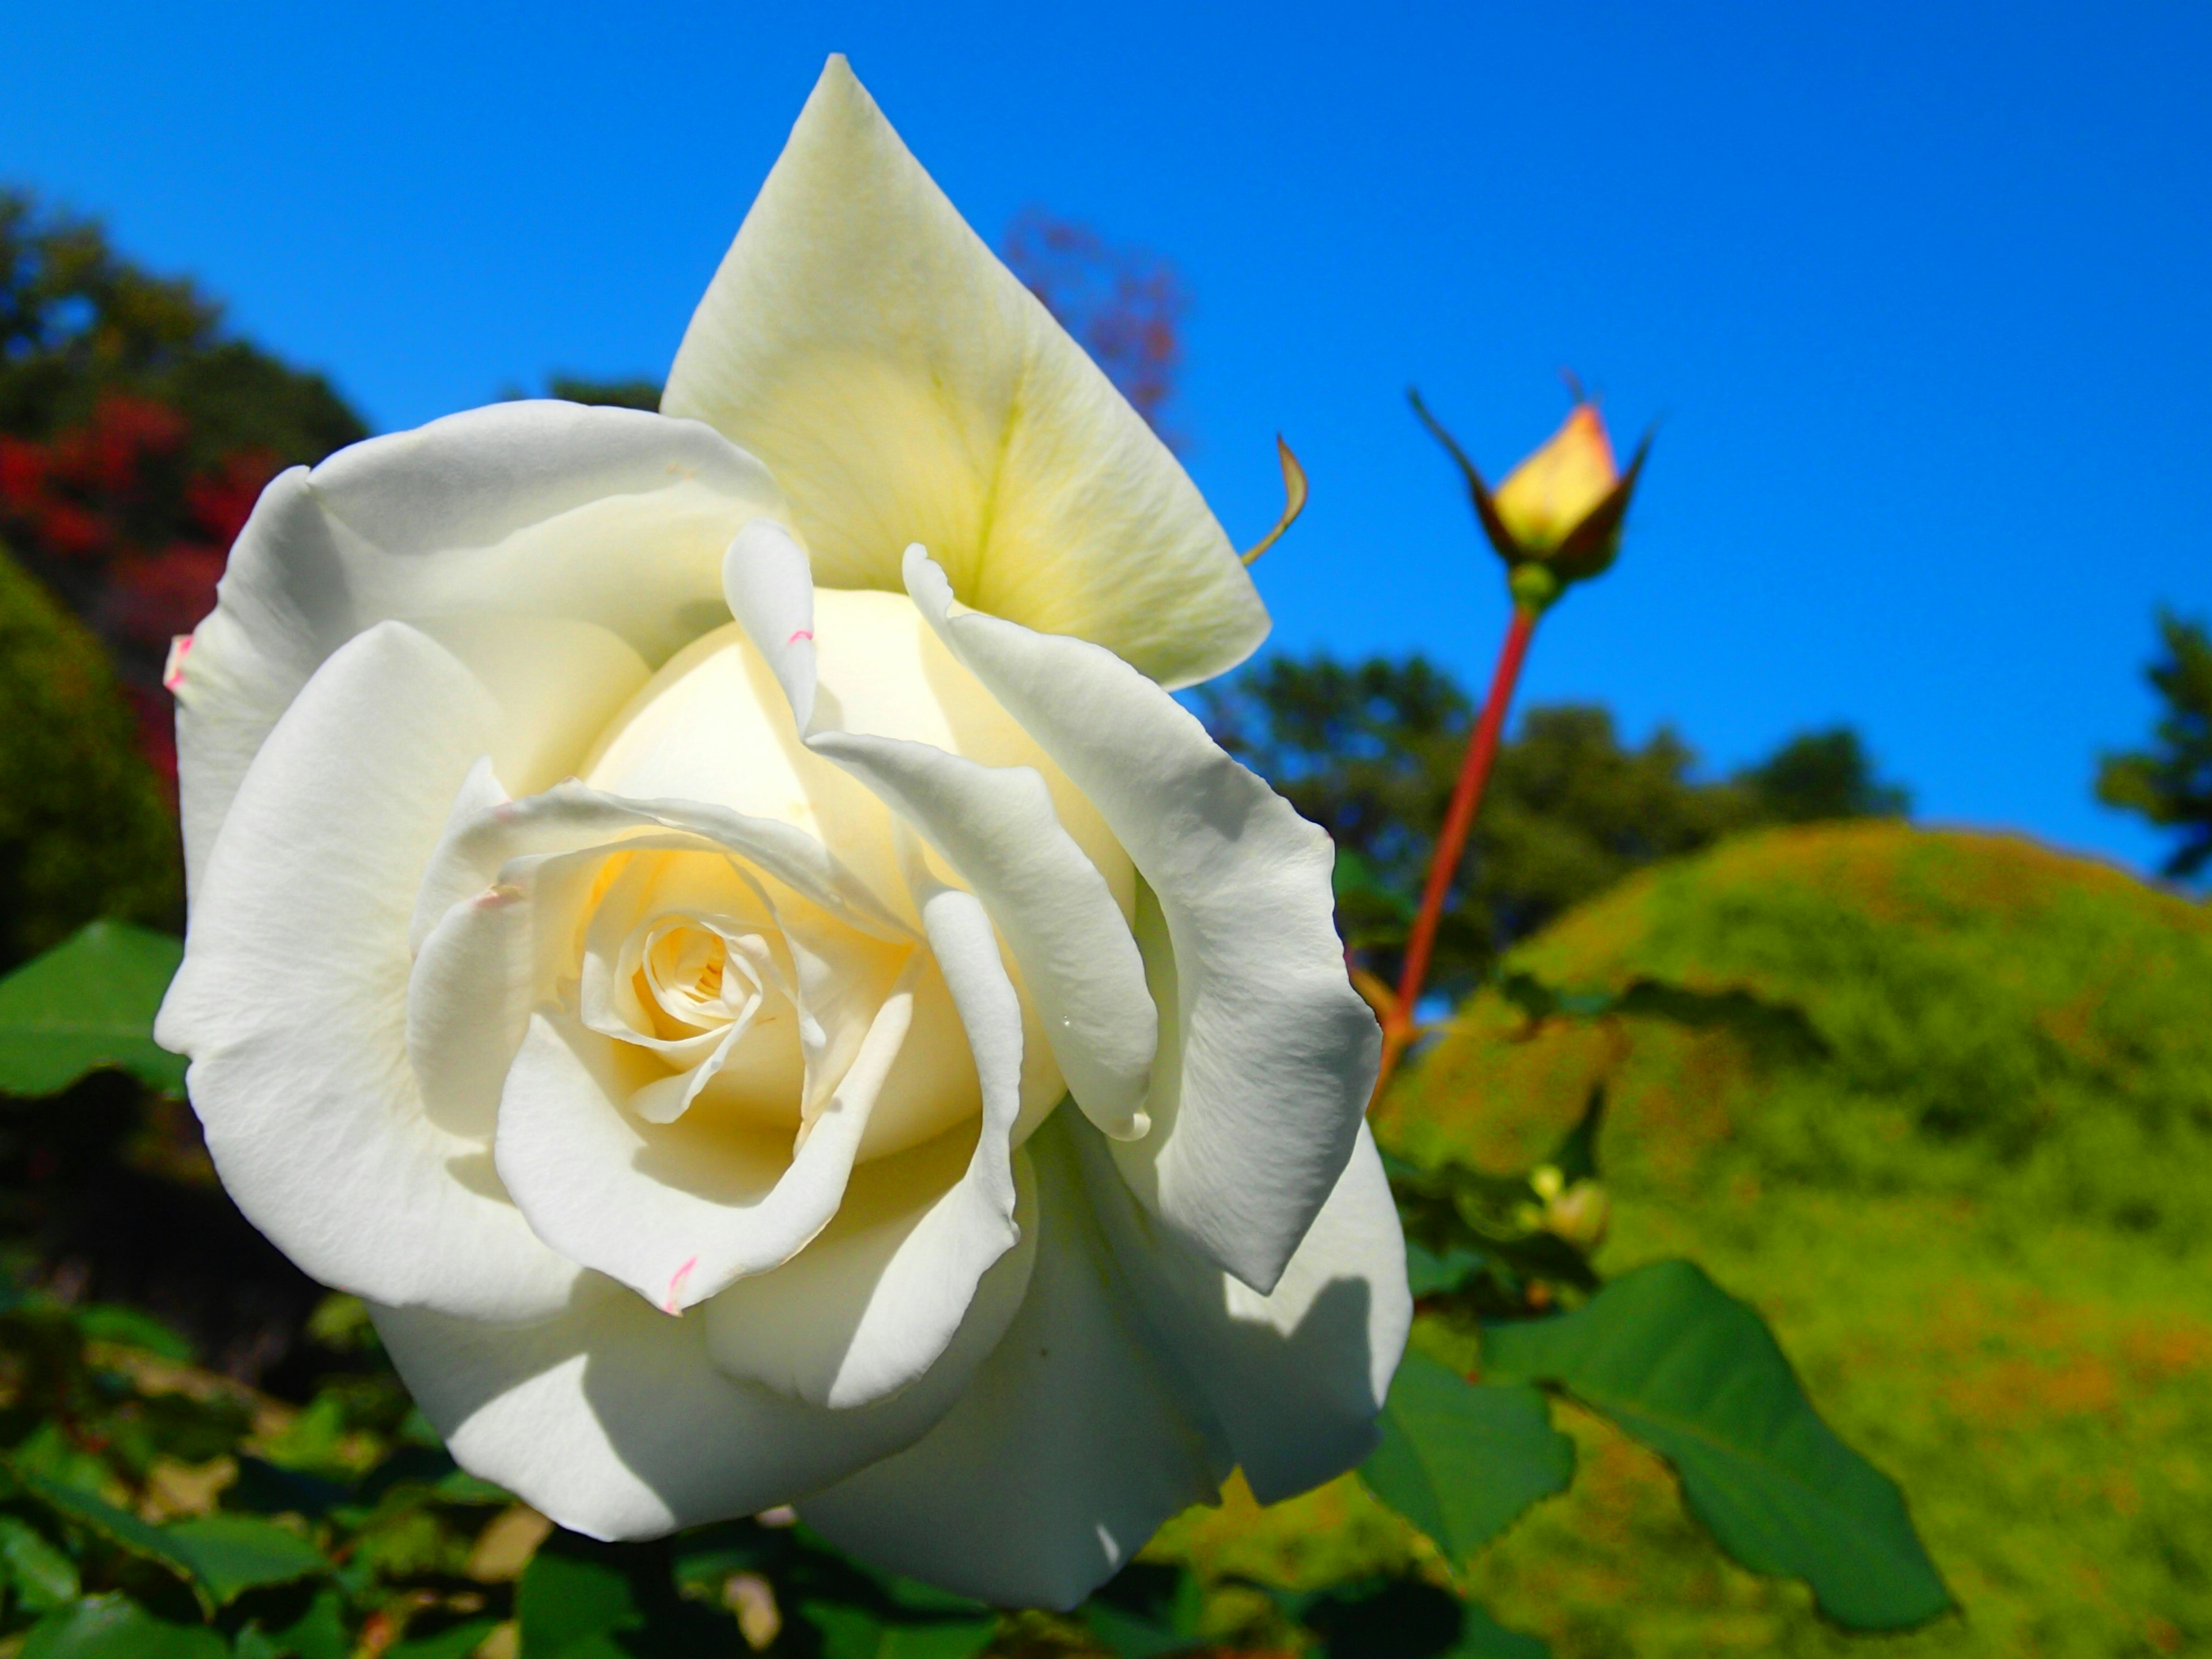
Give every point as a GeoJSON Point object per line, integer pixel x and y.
{"type": "Point", "coordinates": [1921, 292]}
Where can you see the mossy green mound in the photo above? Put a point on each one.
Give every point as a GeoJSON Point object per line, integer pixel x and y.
{"type": "Point", "coordinates": [1979, 1214]}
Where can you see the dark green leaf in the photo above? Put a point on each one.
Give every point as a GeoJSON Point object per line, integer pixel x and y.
{"type": "Point", "coordinates": [1696, 1376]}
{"type": "Point", "coordinates": [116, 1627]}
{"type": "Point", "coordinates": [1575, 1156]}
{"type": "Point", "coordinates": [455, 1641]}
{"type": "Point", "coordinates": [1406, 1618]}
{"type": "Point", "coordinates": [1462, 1460]}
{"type": "Point", "coordinates": [572, 1603]}
{"type": "Point", "coordinates": [263, 1488]}
{"type": "Point", "coordinates": [231, 1554]}
{"type": "Point", "coordinates": [1433, 1273]}
{"type": "Point", "coordinates": [582, 1600]}
{"type": "Point", "coordinates": [88, 1002]}
{"type": "Point", "coordinates": [40, 1574]}
{"type": "Point", "coordinates": [116, 1527]}
{"type": "Point", "coordinates": [1146, 1610]}
{"type": "Point", "coordinates": [319, 1633]}
{"type": "Point", "coordinates": [855, 1633]}
{"type": "Point", "coordinates": [220, 1556]}
{"type": "Point", "coordinates": [1482, 1636]}
{"type": "Point", "coordinates": [110, 1322]}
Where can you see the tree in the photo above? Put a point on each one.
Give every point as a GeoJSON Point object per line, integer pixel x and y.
{"type": "Point", "coordinates": [82, 829]}
{"type": "Point", "coordinates": [135, 436]}
{"type": "Point", "coordinates": [1818, 776]}
{"type": "Point", "coordinates": [2170, 783]}
{"type": "Point", "coordinates": [1124, 304]}
{"type": "Point", "coordinates": [1370, 751]}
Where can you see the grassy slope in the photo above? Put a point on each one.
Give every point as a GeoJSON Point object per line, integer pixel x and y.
{"type": "Point", "coordinates": [1982, 1226]}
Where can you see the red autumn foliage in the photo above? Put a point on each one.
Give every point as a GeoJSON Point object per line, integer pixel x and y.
{"type": "Point", "coordinates": [109, 514]}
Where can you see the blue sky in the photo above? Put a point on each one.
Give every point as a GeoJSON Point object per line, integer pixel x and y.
{"type": "Point", "coordinates": [1919, 293]}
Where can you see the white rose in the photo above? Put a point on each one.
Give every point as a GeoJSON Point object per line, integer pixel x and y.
{"type": "Point", "coordinates": [645, 923]}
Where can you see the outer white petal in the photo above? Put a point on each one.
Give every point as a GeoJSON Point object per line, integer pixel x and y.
{"type": "Point", "coordinates": [874, 1303]}
{"type": "Point", "coordinates": [1075, 1441]}
{"type": "Point", "coordinates": [677, 1211]}
{"type": "Point", "coordinates": [1296, 1378]}
{"type": "Point", "coordinates": [611, 1419]}
{"type": "Point", "coordinates": [604, 517]}
{"type": "Point", "coordinates": [292, 1001]}
{"type": "Point", "coordinates": [904, 386]}
{"type": "Point", "coordinates": [1255, 1111]}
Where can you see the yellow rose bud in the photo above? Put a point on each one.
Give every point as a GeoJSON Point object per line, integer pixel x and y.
{"type": "Point", "coordinates": [1556, 518]}
{"type": "Point", "coordinates": [1547, 495]}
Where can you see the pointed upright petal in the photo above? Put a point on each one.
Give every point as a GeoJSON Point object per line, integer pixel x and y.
{"type": "Point", "coordinates": [903, 385]}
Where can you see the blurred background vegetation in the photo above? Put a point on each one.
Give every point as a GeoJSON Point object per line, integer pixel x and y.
{"type": "Point", "coordinates": [1966, 1171]}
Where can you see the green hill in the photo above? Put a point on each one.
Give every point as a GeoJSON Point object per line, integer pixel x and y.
{"type": "Point", "coordinates": [1976, 1205]}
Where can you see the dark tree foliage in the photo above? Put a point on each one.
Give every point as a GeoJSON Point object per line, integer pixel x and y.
{"type": "Point", "coordinates": [1817, 777]}
{"type": "Point", "coordinates": [82, 829]}
{"type": "Point", "coordinates": [77, 321]}
{"type": "Point", "coordinates": [1124, 305]}
{"type": "Point", "coordinates": [640, 393]}
{"type": "Point", "coordinates": [135, 435]}
{"type": "Point", "coordinates": [1370, 752]}
{"type": "Point", "coordinates": [2170, 783]}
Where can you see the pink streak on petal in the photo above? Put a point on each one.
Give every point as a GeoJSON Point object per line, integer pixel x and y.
{"type": "Point", "coordinates": [803, 634]}
{"type": "Point", "coordinates": [173, 675]}
{"type": "Point", "coordinates": [676, 1286]}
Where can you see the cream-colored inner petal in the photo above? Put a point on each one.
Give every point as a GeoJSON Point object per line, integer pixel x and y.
{"type": "Point", "coordinates": [714, 726]}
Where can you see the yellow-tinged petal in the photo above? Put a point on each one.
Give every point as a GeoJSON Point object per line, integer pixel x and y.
{"type": "Point", "coordinates": [903, 387]}
{"type": "Point", "coordinates": [1544, 498]}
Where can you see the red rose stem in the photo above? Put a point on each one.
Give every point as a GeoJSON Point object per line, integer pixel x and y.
{"type": "Point", "coordinates": [1443, 863]}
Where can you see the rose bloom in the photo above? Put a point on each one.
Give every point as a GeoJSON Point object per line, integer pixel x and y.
{"type": "Point", "coordinates": [711, 924]}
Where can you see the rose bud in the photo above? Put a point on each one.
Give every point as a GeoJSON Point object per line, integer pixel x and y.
{"type": "Point", "coordinates": [1556, 518]}
{"type": "Point", "coordinates": [1579, 1215]}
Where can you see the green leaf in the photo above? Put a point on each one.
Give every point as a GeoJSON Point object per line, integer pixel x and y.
{"type": "Point", "coordinates": [220, 1556]}
{"type": "Point", "coordinates": [104, 1521]}
{"type": "Point", "coordinates": [40, 1574]}
{"type": "Point", "coordinates": [1146, 1610]}
{"type": "Point", "coordinates": [1433, 1273]}
{"type": "Point", "coordinates": [1695, 1375]}
{"type": "Point", "coordinates": [455, 1641]}
{"type": "Point", "coordinates": [582, 1600]}
{"type": "Point", "coordinates": [88, 1003]}
{"type": "Point", "coordinates": [854, 1633]}
{"type": "Point", "coordinates": [319, 1633]}
{"type": "Point", "coordinates": [1462, 1460]}
{"type": "Point", "coordinates": [111, 1322]}
{"type": "Point", "coordinates": [231, 1554]}
{"type": "Point", "coordinates": [1482, 1636]}
{"type": "Point", "coordinates": [116, 1627]}
{"type": "Point", "coordinates": [572, 1603]}
{"type": "Point", "coordinates": [1575, 1156]}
